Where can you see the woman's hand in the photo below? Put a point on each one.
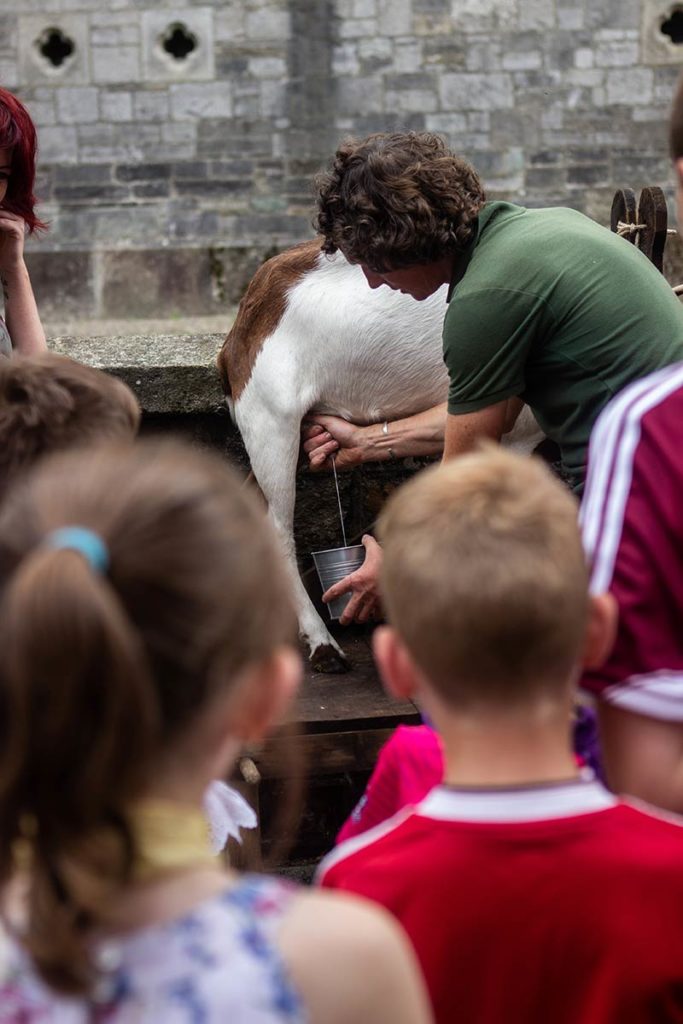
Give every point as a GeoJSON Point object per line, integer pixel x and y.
{"type": "Point", "coordinates": [324, 436]}
{"type": "Point", "coordinates": [21, 312]}
{"type": "Point", "coordinates": [364, 584]}
{"type": "Point", "coordinates": [419, 434]}
{"type": "Point", "coordinates": [12, 236]}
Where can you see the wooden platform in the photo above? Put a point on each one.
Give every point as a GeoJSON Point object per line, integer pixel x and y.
{"type": "Point", "coordinates": [335, 731]}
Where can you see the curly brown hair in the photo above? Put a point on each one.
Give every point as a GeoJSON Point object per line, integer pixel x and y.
{"type": "Point", "coordinates": [396, 199]}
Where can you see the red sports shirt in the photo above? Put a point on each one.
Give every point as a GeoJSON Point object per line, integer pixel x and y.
{"type": "Point", "coordinates": [553, 904]}
{"type": "Point", "coordinates": [632, 522]}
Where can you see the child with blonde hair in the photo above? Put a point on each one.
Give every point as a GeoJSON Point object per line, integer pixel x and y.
{"type": "Point", "coordinates": [530, 892]}
{"type": "Point", "coordinates": [147, 631]}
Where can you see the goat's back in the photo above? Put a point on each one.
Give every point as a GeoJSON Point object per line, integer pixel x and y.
{"type": "Point", "coordinates": [364, 353]}
{"type": "Point", "coordinates": [260, 311]}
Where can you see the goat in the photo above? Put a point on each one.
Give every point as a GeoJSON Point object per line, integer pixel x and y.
{"type": "Point", "coordinates": [311, 335]}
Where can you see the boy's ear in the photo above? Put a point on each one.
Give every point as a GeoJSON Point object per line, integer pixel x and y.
{"type": "Point", "coordinates": [601, 630]}
{"type": "Point", "coordinates": [394, 663]}
{"type": "Point", "coordinates": [264, 693]}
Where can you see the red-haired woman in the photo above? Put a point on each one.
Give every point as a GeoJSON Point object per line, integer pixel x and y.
{"type": "Point", "coordinates": [22, 329]}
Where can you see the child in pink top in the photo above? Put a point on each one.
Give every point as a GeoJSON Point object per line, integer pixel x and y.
{"type": "Point", "coordinates": [408, 766]}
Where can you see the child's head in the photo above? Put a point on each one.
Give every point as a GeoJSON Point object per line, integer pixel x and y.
{"type": "Point", "coordinates": [18, 134]}
{"type": "Point", "coordinates": [164, 660]}
{"type": "Point", "coordinates": [485, 580]}
{"type": "Point", "coordinates": [49, 402]}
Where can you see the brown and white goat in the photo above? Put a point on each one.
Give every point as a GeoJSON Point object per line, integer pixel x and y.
{"type": "Point", "coordinates": [311, 335]}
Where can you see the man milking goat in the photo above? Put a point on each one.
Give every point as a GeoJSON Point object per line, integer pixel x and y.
{"type": "Point", "coordinates": [544, 307]}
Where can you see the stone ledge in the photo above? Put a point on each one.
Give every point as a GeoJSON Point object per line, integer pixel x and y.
{"type": "Point", "coordinates": [170, 374]}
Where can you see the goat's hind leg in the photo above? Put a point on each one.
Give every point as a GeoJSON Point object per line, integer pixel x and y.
{"type": "Point", "coordinates": [272, 442]}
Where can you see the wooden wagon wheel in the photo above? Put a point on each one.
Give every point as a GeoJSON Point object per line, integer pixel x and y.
{"type": "Point", "coordinates": [623, 211]}
{"type": "Point", "coordinates": [652, 215]}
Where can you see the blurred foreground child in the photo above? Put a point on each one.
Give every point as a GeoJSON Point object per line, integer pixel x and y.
{"type": "Point", "coordinates": [530, 892]}
{"type": "Point", "coordinates": [49, 403]}
{"type": "Point", "coordinates": [146, 630]}
{"type": "Point", "coordinates": [632, 517]}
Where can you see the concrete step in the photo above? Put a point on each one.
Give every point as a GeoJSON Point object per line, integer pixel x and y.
{"type": "Point", "coordinates": [82, 327]}
{"type": "Point", "coordinates": [171, 373]}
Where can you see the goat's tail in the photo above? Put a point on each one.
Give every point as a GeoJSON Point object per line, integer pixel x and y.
{"type": "Point", "coordinates": [222, 367]}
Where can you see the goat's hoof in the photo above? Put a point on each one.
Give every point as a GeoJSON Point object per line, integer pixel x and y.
{"type": "Point", "coordinates": [327, 658]}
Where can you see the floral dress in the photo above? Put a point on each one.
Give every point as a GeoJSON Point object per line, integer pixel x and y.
{"type": "Point", "coordinates": [216, 965]}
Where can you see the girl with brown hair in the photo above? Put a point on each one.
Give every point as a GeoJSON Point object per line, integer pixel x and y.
{"type": "Point", "coordinates": [147, 633]}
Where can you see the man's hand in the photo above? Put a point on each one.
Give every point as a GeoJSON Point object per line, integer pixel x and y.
{"type": "Point", "coordinates": [331, 435]}
{"type": "Point", "coordinates": [365, 603]}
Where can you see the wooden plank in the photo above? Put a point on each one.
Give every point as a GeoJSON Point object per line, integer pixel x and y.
{"type": "Point", "coordinates": [247, 855]}
{"type": "Point", "coordinates": [329, 702]}
{"type": "Point", "coordinates": [320, 753]}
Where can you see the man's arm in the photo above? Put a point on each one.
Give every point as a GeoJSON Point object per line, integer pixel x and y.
{"type": "Point", "coordinates": [421, 434]}
{"type": "Point", "coordinates": [462, 433]}
{"type": "Point", "coordinates": [465, 429]}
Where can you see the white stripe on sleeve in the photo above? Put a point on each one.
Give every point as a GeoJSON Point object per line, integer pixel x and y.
{"type": "Point", "coordinates": [609, 483]}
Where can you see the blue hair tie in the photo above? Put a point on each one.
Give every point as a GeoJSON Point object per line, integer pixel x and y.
{"type": "Point", "coordinates": [85, 542]}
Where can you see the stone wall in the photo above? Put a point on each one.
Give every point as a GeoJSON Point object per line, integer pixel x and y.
{"type": "Point", "coordinates": [178, 140]}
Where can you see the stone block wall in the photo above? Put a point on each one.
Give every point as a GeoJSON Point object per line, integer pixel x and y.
{"type": "Point", "coordinates": [178, 140]}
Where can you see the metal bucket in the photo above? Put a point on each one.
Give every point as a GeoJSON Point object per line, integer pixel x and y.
{"type": "Point", "coordinates": [333, 565]}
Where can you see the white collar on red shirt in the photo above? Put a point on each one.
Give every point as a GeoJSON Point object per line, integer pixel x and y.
{"type": "Point", "coordinates": [505, 806]}
{"type": "Point", "coordinates": [584, 795]}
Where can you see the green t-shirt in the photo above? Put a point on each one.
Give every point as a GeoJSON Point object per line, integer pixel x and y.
{"type": "Point", "coordinates": [550, 306]}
